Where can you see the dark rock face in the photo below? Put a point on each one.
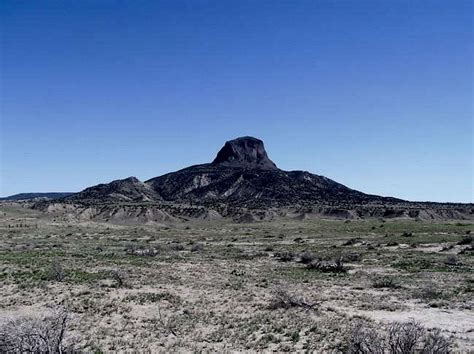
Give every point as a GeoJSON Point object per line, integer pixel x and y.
{"type": "Point", "coordinates": [244, 152]}
{"type": "Point", "coordinates": [252, 188]}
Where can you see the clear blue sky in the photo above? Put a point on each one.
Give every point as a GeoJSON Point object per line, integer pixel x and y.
{"type": "Point", "coordinates": [374, 94]}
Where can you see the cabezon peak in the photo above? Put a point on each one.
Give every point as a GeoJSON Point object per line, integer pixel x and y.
{"type": "Point", "coordinates": [243, 178]}
{"type": "Point", "coordinates": [244, 152]}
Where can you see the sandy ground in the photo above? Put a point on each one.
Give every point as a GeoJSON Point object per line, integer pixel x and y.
{"type": "Point", "coordinates": [213, 286]}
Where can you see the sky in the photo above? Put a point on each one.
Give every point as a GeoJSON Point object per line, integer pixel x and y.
{"type": "Point", "coordinates": [374, 94]}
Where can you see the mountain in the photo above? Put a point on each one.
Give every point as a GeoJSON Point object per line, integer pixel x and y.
{"type": "Point", "coordinates": [243, 175]}
{"type": "Point", "coordinates": [30, 196]}
{"type": "Point", "coordinates": [241, 180]}
{"type": "Point", "coordinates": [252, 187]}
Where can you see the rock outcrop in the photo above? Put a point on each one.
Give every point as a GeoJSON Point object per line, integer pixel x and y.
{"type": "Point", "coordinates": [245, 152]}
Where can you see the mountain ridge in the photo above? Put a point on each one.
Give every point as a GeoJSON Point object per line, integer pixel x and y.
{"type": "Point", "coordinates": [241, 175]}
{"type": "Point", "coordinates": [36, 195]}
{"type": "Point", "coordinates": [242, 179]}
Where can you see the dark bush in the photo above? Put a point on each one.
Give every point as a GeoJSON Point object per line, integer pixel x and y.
{"type": "Point", "coordinates": [466, 240]}
{"type": "Point", "coordinates": [352, 257]}
{"type": "Point", "coordinates": [332, 266]}
{"type": "Point", "coordinates": [307, 257]}
{"type": "Point", "coordinates": [385, 282]}
{"type": "Point", "coordinates": [452, 260]}
{"type": "Point", "coordinates": [404, 337]}
{"type": "Point", "coordinates": [118, 276]}
{"type": "Point", "coordinates": [285, 256]}
{"type": "Point", "coordinates": [429, 292]}
{"type": "Point", "coordinates": [468, 249]}
{"type": "Point", "coordinates": [282, 298]}
{"type": "Point", "coordinates": [364, 340]}
{"type": "Point", "coordinates": [177, 247]}
{"type": "Point", "coordinates": [351, 242]}
{"type": "Point", "coordinates": [56, 272]}
{"type": "Point", "coordinates": [198, 247]}
{"type": "Point", "coordinates": [399, 338]}
{"type": "Point", "coordinates": [142, 251]}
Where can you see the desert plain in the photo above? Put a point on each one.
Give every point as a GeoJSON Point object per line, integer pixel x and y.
{"type": "Point", "coordinates": [311, 285]}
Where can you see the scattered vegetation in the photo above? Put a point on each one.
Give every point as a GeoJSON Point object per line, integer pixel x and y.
{"type": "Point", "coordinates": [385, 282]}
{"type": "Point", "coordinates": [331, 266]}
{"type": "Point", "coordinates": [399, 338]}
{"type": "Point", "coordinates": [177, 247]}
{"type": "Point", "coordinates": [466, 240]}
{"type": "Point", "coordinates": [453, 261]}
{"type": "Point", "coordinates": [197, 247]}
{"type": "Point", "coordinates": [282, 298]}
{"type": "Point", "coordinates": [429, 292]}
{"type": "Point", "coordinates": [148, 298]}
{"type": "Point", "coordinates": [467, 250]}
{"type": "Point", "coordinates": [125, 282]}
{"type": "Point", "coordinates": [351, 241]}
{"type": "Point", "coordinates": [142, 251]}
{"type": "Point", "coordinates": [167, 323]}
{"type": "Point", "coordinates": [56, 271]}
{"type": "Point", "coordinates": [35, 335]}
{"type": "Point", "coordinates": [285, 256]}
{"type": "Point", "coordinates": [307, 257]}
{"type": "Point", "coordinates": [118, 276]}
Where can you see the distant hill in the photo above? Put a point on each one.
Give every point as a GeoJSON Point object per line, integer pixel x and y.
{"type": "Point", "coordinates": [30, 196]}
{"type": "Point", "coordinates": [122, 190]}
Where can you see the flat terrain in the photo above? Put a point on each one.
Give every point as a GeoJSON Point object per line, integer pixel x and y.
{"type": "Point", "coordinates": [218, 286]}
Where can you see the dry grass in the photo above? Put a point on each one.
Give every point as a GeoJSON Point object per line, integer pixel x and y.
{"type": "Point", "coordinates": [218, 286]}
{"type": "Point", "coordinates": [283, 298]}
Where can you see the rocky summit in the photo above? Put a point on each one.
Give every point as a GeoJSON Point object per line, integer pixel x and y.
{"type": "Point", "coordinates": [244, 152]}
{"type": "Point", "coordinates": [240, 180]}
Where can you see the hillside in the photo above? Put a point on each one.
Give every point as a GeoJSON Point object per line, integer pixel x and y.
{"type": "Point", "coordinates": [30, 196]}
